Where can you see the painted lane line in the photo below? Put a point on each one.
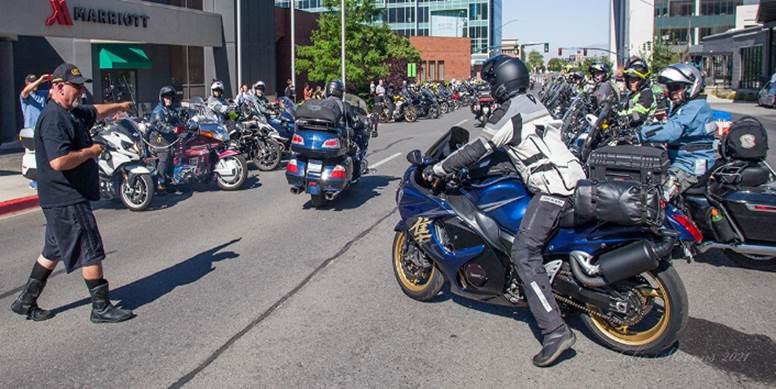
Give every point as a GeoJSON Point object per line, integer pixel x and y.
{"type": "Point", "coordinates": [461, 122]}
{"type": "Point", "coordinates": [385, 160]}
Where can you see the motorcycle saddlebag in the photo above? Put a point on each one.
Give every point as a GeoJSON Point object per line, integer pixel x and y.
{"type": "Point", "coordinates": [647, 165]}
{"type": "Point", "coordinates": [754, 211]}
{"type": "Point", "coordinates": [746, 140]}
{"type": "Point", "coordinates": [627, 203]}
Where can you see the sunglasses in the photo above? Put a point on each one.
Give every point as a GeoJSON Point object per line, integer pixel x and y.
{"type": "Point", "coordinates": [675, 86]}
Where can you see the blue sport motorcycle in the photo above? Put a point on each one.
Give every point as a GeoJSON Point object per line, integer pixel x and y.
{"type": "Point", "coordinates": [460, 232]}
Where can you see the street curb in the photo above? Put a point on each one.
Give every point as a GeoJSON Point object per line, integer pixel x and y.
{"type": "Point", "coordinates": [16, 205]}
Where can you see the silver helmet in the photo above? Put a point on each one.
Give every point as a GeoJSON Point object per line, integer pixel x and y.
{"type": "Point", "coordinates": [683, 74]}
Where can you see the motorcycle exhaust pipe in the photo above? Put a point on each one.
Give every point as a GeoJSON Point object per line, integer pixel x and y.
{"type": "Point", "coordinates": [331, 195]}
{"type": "Point", "coordinates": [296, 190]}
{"type": "Point", "coordinates": [621, 263]}
{"type": "Point", "coordinates": [742, 248]}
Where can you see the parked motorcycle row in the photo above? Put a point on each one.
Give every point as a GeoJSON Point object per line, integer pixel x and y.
{"type": "Point", "coordinates": [209, 148]}
{"type": "Point", "coordinates": [610, 262]}
{"type": "Point", "coordinates": [426, 101]}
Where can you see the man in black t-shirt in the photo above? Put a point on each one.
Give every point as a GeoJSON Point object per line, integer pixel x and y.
{"type": "Point", "coordinates": [67, 181]}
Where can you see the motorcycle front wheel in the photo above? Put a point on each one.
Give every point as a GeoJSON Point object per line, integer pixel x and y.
{"type": "Point", "coordinates": [268, 155]}
{"type": "Point", "coordinates": [656, 327]}
{"type": "Point", "coordinates": [138, 196]}
{"type": "Point", "coordinates": [421, 283]}
{"type": "Point", "coordinates": [235, 181]}
{"type": "Point", "coordinates": [410, 115]}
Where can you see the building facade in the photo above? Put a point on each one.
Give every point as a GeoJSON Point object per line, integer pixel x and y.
{"type": "Point", "coordinates": [442, 58]}
{"type": "Point", "coordinates": [131, 48]}
{"type": "Point", "coordinates": [632, 29]}
{"type": "Point", "coordinates": [479, 20]}
{"type": "Point", "coordinates": [686, 22]}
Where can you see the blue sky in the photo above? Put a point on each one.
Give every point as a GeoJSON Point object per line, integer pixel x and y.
{"type": "Point", "coordinates": [562, 23]}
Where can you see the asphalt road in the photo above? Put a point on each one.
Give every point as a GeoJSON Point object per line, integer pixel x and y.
{"type": "Point", "coordinates": [256, 289]}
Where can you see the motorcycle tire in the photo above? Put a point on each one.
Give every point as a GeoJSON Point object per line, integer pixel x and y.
{"type": "Point", "coordinates": [432, 283]}
{"type": "Point", "coordinates": [242, 174]}
{"type": "Point", "coordinates": [656, 339]}
{"type": "Point", "coordinates": [270, 158]}
{"type": "Point", "coordinates": [444, 108]}
{"type": "Point", "coordinates": [434, 113]}
{"type": "Point", "coordinates": [410, 115]}
{"type": "Point", "coordinates": [317, 200]}
{"type": "Point", "coordinates": [143, 194]}
{"type": "Point", "coordinates": [756, 262]}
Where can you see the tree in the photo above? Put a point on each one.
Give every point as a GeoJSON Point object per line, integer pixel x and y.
{"type": "Point", "coordinates": [662, 55]}
{"type": "Point", "coordinates": [535, 60]}
{"type": "Point", "coordinates": [585, 64]}
{"type": "Point", "coordinates": [555, 64]}
{"type": "Point", "coordinates": [372, 50]}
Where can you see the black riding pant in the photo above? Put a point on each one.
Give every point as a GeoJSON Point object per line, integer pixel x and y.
{"type": "Point", "coordinates": [539, 223]}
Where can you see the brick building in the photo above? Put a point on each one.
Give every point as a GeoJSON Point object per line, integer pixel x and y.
{"type": "Point", "coordinates": [442, 58]}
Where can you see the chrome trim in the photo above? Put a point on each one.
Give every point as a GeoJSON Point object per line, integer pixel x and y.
{"type": "Point", "coordinates": [583, 259]}
{"type": "Point", "coordinates": [742, 248]}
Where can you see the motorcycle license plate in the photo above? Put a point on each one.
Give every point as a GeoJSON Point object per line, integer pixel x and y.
{"type": "Point", "coordinates": [315, 166]}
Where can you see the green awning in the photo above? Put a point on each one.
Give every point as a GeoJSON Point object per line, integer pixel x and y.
{"type": "Point", "coordinates": [123, 57]}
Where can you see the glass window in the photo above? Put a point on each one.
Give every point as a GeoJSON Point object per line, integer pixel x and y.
{"type": "Point", "coordinates": [441, 65]}
{"type": "Point", "coordinates": [751, 67]}
{"type": "Point", "coordinates": [432, 70]}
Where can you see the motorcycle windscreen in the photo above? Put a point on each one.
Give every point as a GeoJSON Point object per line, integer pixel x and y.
{"type": "Point", "coordinates": [452, 140]}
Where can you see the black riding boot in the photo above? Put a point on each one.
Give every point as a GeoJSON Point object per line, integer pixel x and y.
{"type": "Point", "coordinates": [102, 309]}
{"type": "Point", "coordinates": [27, 302]}
{"type": "Point", "coordinates": [553, 345]}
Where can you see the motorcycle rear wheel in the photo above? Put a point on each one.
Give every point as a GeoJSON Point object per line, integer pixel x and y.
{"type": "Point", "coordinates": [317, 200]}
{"type": "Point", "coordinates": [654, 339]}
{"type": "Point", "coordinates": [240, 177]}
{"type": "Point", "coordinates": [749, 261]}
{"type": "Point", "coordinates": [141, 196]}
{"type": "Point", "coordinates": [423, 288]}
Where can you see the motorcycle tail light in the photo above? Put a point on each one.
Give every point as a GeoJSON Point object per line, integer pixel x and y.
{"type": "Point", "coordinates": [297, 140]}
{"type": "Point", "coordinates": [338, 173]}
{"type": "Point", "coordinates": [331, 144]}
{"type": "Point", "coordinates": [292, 167]}
{"type": "Point", "coordinates": [690, 227]}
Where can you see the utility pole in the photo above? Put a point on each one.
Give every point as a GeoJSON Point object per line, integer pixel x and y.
{"type": "Point", "coordinates": [293, 43]}
{"type": "Point", "coordinates": [342, 36]}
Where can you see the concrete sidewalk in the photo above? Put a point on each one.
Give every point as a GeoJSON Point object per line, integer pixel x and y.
{"type": "Point", "coordinates": [15, 193]}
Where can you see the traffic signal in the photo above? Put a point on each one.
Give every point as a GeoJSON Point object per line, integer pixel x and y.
{"type": "Point", "coordinates": [546, 47]}
{"type": "Point", "coordinates": [560, 51]}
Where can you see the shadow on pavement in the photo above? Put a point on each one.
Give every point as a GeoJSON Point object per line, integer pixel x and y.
{"type": "Point", "coordinates": [368, 187]}
{"type": "Point", "coordinates": [148, 289]}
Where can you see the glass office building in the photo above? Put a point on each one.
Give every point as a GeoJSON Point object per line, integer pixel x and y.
{"type": "Point", "coordinates": [687, 22]}
{"type": "Point", "coordinates": [479, 20]}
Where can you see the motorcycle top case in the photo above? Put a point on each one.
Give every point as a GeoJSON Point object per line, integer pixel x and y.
{"type": "Point", "coordinates": [746, 140]}
{"type": "Point", "coordinates": [314, 143]}
{"type": "Point", "coordinates": [627, 203]}
{"type": "Point", "coordinates": [326, 111]}
{"type": "Point", "coordinates": [647, 165]}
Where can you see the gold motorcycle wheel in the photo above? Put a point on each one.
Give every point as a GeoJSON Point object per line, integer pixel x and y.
{"type": "Point", "coordinates": [419, 283]}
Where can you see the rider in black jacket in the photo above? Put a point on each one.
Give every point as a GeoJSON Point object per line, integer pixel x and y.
{"type": "Point", "coordinates": [165, 119]}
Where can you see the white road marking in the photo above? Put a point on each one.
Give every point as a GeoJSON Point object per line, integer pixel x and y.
{"type": "Point", "coordinates": [385, 160]}
{"type": "Point", "coordinates": [461, 122]}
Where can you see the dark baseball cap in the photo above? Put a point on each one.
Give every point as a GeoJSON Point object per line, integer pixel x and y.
{"type": "Point", "coordinates": [68, 72]}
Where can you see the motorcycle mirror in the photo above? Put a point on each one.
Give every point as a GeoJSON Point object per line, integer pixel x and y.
{"type": "Point", "coordinates": [591, 119]}
{"type": "Point", "coordinates": [414, 157]}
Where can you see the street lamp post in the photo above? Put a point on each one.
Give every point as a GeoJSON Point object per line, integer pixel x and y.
{"type": "Point", "coordinates": [293, 44]}
{"type": "Point", "coordinates": [342, 36]}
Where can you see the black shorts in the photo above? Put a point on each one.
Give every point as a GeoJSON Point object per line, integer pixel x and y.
{"type": "Point", "coordinates": [72, 236]}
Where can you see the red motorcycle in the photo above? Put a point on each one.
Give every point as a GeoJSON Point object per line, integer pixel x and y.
{"type": "Point", "coordinates": [482, 108]}
{"type": "Point", "coordinates": [201, 153]}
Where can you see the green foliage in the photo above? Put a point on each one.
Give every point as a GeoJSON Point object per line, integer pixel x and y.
{"type": "Point", "coordinates": [662, 56]}
{"type": "Point", "coordinates": [585, 64]}
{"type": "Point", "coordinates": [535, 60]}
{"type": "Point", "coordinates": [555, 64]}
{"type": "Point", "coordinates": [368, 46]}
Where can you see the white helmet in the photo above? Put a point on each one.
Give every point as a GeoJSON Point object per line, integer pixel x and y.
{"type": "Point", "coordinates": [681, 73]}
{"type": "Point", "coordinates": [260, 84]}
{"type": "Point", "coordinates": [217, 85]}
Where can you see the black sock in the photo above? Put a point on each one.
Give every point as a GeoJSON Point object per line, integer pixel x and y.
{"type": "Point", "coordinates": [91, 284]}
{"type": "Point", "coordinates": [39, 272]}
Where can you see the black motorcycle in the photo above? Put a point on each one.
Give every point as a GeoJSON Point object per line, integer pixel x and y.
{"type": "Point", "coordinates": [426, 105]}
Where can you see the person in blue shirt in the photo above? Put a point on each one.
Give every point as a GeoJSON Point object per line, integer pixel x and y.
{"type": "Point", "coordinates": [33, 99]}
{"type": "Point", "coordinates": [689, 130]}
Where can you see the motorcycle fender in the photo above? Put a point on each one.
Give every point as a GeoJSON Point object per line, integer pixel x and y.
{"type": "Point", "coordinates": [227, 153]}
{"type": "Point", "coordinates": [400, 226]}
{"type": "Point", "coordinates": [137, 170]}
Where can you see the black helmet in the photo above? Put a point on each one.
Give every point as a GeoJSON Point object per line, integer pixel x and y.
{"type": "Point", "coordinates": [599, 67]}
{"type": "Point", "coordinates": [167, 90]}
{"type": "Point", "coordinates": [335, 88]}
{"type": "Point", "coordinates": [507, 76]}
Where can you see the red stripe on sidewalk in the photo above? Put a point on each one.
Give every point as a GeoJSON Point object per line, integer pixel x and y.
{"type": "Point", "coordinates": [17, 205]}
